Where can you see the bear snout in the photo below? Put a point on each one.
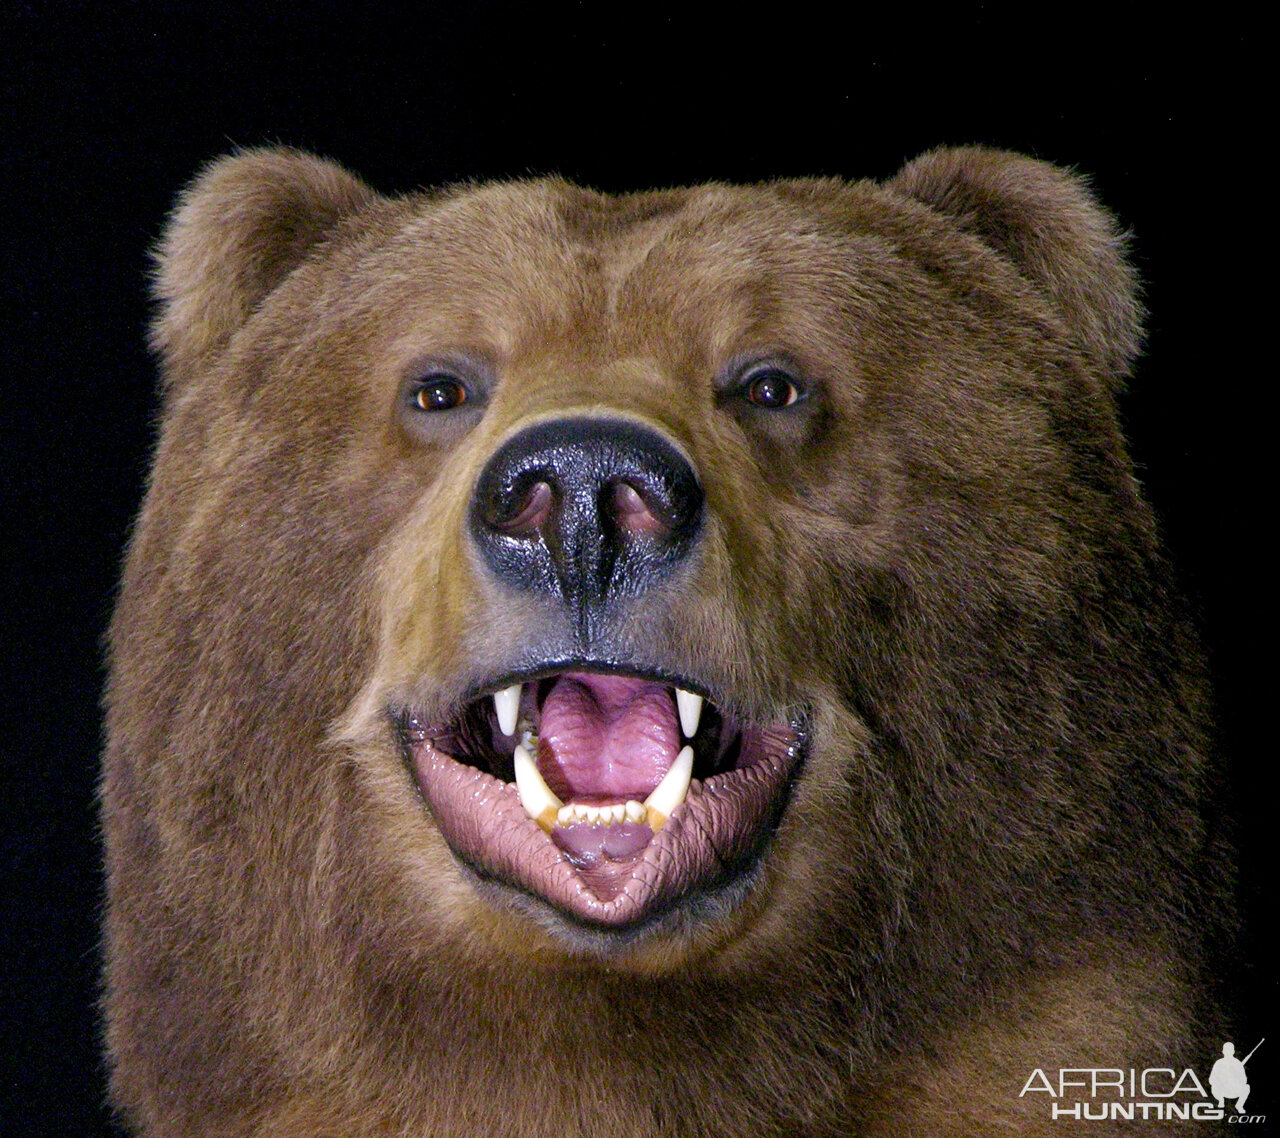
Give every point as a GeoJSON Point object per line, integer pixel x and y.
{"type": "Point", "coordinates": [586, 509]}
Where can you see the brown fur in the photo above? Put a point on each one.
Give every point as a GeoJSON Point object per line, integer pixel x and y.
{"type": "Point", "coordinates": [988, 857]}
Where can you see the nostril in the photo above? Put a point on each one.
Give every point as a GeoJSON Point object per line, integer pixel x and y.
{"type": "Point", "coordinates": [527, 513]}
{"type": "Point", "coordinates": [631, 510]}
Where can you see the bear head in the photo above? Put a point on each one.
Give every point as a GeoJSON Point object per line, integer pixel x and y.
{"type": "Point", "coordinates": [634, 659]}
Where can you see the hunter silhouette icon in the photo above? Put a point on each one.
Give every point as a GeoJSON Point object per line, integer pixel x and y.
{"type": "Point", "coordinates": [1227, 1079]}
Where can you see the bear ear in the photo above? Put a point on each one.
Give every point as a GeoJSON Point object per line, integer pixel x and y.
{"type": "Point", "coordinates": [1046, 221]}
{"type": "Point", "coordinates": [243, 225]}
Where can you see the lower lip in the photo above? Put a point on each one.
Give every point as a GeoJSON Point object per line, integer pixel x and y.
{"type": "Point", "coordinates": [719, 828]}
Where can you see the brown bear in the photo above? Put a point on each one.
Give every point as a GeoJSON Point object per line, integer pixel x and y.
{"type": "Point", "coordinates": [691, 663]}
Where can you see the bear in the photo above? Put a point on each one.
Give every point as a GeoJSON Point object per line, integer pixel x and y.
{"type": "Point", "coordinates": [694, 662]}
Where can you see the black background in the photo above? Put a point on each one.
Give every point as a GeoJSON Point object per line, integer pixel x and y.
{"type": "Point", "coordinates": [108, 109]}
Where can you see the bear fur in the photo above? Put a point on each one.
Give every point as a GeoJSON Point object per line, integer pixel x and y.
{"type": "Point", "coordinates": [999, 848]}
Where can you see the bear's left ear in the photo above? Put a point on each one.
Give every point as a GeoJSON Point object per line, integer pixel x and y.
{"type": "Point", "coordinates": [238, 230]}
{"type": "Point", "coordinates": [1046, 221]}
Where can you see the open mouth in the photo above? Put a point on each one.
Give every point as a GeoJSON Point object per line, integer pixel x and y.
{"type": "Point", "coordinates": [611, 796]}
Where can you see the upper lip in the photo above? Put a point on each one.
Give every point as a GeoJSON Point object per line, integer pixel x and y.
{"type": "Point", "coordinates": [455, 730]}
{"type": "Point", "coordinates": [558, 667]}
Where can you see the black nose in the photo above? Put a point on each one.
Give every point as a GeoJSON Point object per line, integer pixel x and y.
{"type": "Point", "coordinates": [589, 510]}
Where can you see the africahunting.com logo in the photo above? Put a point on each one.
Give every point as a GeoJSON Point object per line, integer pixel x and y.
{"type": "Point", "coordinates": [1111, 1094]}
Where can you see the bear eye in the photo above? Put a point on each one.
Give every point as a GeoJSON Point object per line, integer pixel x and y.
{"type": "Point", "coordinates": [771, 389]}
{"type": "Point", "coordinates": [438, 392]}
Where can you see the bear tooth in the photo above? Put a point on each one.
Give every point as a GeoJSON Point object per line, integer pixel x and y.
{"type": "Point", "coordinates": [507, 704]}
{"type": "Point", "coordinates": [634, 811]}
{"type": "Point", "coordinates": [690, 707]}
{"type": "Point", "coordinates": [537, 798]}
{"type": "Point", "coordinates": [564, 815]}
{"type": "Point", "coordinates": [671, 791]}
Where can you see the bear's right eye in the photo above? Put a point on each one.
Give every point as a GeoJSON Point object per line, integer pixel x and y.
{"type": "Point", "coordinates": [438, 392]}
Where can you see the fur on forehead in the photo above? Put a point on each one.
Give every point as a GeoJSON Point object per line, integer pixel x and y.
{"type": "Point", "coordinates": [252, 219]}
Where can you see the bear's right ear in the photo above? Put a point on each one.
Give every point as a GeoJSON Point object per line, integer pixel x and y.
{"type": "Point", "coordinates": [238, 230]}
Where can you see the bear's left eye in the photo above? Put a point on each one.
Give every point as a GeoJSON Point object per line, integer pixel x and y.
{"type": "Point", "coordinates": [438, 392]}
{"type": "Point", "coordinates": [771, 389]}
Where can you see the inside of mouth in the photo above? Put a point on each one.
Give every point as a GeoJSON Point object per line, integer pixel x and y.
{"type": "Point", "coordinates": [603, 743]}
{"type": "Point", "coordinates": [599, 738]}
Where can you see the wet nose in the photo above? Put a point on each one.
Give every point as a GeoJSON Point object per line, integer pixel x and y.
{"type": "Point", "coordinates": [588, 510]}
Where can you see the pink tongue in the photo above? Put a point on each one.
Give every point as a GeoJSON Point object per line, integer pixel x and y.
{"type": "Point", "coordinates": [606, 737]}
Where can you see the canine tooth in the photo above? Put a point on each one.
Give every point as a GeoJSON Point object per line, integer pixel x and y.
{"type": "Point", "coordinates": [634, 811]}
{"type": "Point", "coordinates": [670, 792]}
{"type": "Point", "coordinates": [690, 708]}
{"type": "Point", "coordinates": [507, 704]}
{"type": "Point", "coordinates": [537, 798]}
